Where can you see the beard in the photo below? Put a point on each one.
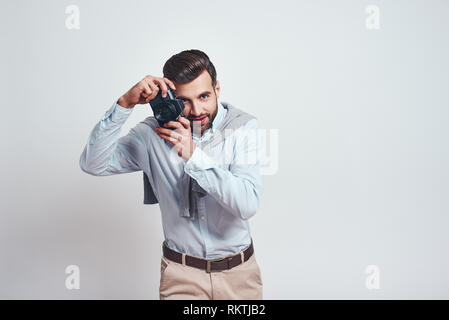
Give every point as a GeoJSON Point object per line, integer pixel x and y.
{"type": "Point", "coordinates": [199, 129]}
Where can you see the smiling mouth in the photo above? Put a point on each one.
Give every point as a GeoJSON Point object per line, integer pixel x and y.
{"type": "Point", "coordinates": [201, 120]}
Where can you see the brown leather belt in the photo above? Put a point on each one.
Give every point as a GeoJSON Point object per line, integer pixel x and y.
{"type": "Point", "coordinates": [209, 265]}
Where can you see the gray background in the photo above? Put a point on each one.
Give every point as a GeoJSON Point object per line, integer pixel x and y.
{"type": "Point", "coordinates": [362, 118]}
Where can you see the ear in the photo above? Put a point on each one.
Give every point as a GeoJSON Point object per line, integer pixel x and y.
{"type": "Point", "coordinates": [217, 88]}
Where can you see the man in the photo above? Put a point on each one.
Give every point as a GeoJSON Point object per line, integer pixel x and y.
{"type": "Point", "coordinates": [208, 250]}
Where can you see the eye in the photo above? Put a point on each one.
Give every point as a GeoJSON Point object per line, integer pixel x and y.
{"type": "Point", "coordinates": [205, 96]}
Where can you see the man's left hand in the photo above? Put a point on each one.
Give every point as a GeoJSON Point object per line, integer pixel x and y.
{"type": "Point", "coordinates": [180, 138]}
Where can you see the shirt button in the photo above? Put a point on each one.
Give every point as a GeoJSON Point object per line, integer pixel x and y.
{"type": "Point", "coordinates": [202, 217]}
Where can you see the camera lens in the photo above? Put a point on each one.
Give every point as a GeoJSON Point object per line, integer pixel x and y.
{"type": "Point", "coordinates": [163, 112]}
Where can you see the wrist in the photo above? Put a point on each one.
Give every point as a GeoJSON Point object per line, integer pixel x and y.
{"type": "Point", "coordinates": [123, 103]}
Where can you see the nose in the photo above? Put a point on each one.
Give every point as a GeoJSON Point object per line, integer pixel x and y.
{"type": "Point", "coordinates": [195, 111]}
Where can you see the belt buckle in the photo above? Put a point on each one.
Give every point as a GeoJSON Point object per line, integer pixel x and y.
{"type": "Point", "coordinates": [208, 270]}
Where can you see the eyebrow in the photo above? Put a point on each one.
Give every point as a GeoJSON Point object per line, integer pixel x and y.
{"type": "Point", "coordinates": [202, 93]}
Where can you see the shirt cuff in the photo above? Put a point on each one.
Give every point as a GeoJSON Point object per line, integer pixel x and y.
{"type": "Point", "coordinates": [117, 113]}
{"type": "Point", "coordinates": [199, 161]}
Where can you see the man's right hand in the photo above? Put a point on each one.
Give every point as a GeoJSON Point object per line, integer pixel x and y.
{"type": "Point", "coordinates": [144, 91]}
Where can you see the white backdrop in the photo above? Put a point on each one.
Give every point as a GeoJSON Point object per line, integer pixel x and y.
{"type": "Point", "coordinates": [357, 91]}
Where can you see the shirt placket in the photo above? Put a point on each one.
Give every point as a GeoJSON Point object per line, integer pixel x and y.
{"type": "Point", "coordinates": [202, 219]}
{"type": "Point", "coordinates": [201, 207]}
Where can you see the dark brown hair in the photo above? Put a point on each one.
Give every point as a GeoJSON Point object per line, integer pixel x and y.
{"type": "Point", "coordinates": [185, 66]}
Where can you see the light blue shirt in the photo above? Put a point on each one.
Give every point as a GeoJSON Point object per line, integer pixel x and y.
{"type": "Point", "coordinates": [229, 172]}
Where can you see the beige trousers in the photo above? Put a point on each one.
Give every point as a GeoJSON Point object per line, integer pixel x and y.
{"type": "Point", "coordinates": [179, 281]}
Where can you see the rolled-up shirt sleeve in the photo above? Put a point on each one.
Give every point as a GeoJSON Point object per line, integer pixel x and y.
{"type": "Point", "coordinates": [106, 153]}
{"type": "Point", "coordinates": [238, 189]}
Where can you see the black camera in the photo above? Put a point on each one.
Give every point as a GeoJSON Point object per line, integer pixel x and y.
{"type": "Point", "coordinates": [166, 109]}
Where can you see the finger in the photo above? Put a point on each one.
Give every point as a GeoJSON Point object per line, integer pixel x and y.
{"type": "Point", "coordinates": [167, 132]}
{"type": "Point", "coordinates": [169, 139]}
{"type": "Point", "coordinates": [184, 122]}
{"type": "Point", "coordinates": [173, 140]}
{"type": "Point", "coordinates": [145, 85]}
{"type": "Point", "coordinates": [162, 85]}
{"type": "Point", "coordinates": [174, 124]}
{"type": "Point", "coordinates": [154, 88]}
{"type": "Point", "coordinates": [172, 85]}
{"type": "Point", "coordinates": [146, 90]}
